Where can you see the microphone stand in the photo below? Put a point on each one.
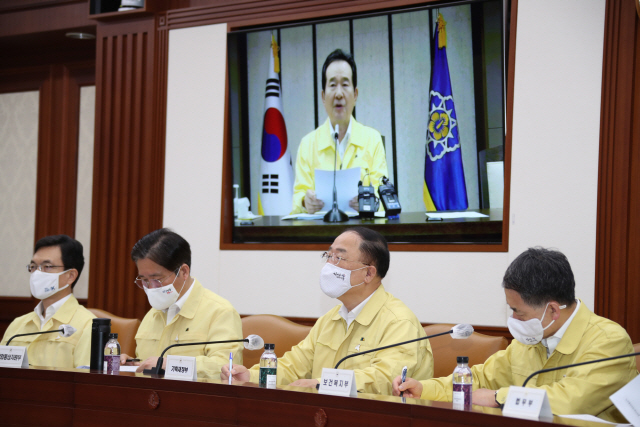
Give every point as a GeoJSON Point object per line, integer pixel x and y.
{"type": "Point", "coordinates": [335, 214]}
{"type": "Point", "coordinates": [542, 371]}
{"type": "Point", "coordinates": [158, 368]}
{"type": "Point", "coordinates": [392, 345]}
{"type": "Point", "coordinates": [35, 333]}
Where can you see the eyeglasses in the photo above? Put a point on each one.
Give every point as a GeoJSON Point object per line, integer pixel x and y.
{"type": "Point", "coordinates": [152, 283]}
{"type": "Point", "coordinates": [45, 268]}
{"type": "Point", "coordinates": [335, 259]}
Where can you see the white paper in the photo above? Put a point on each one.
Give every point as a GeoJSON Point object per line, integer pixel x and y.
{"type": "Point", "coordinates": [627, 400]}
{"type": "Point", "coordinates": [127, 368]}
{"type": "Point", "coordinates": [495, 178]}
{"type": "Point", "coordinates": [587, 417]}
{"type": "Point", "coordinates": [346, 185]}
{"type": "Point", "coordinates": [453, 215]}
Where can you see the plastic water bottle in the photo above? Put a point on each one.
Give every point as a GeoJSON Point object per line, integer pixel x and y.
{"type": "Point", "coordinates": [462, 384]}
{"type": "Point", "coordinates": [112, 355]}
{"type": "Point", "coordinates": [268, 366]}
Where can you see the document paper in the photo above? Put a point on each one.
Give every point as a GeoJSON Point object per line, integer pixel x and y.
{"type": "Point", "coordinates": [346, 184]}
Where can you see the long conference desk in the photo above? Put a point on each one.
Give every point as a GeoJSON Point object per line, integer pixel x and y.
{"type": "Point", "coordinates": [56, 397]}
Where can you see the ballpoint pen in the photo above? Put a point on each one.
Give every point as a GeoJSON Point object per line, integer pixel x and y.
{"type": "Point", "coordinates": [230, 366]}
{"type": "Point", "coordinates": [403, 378]}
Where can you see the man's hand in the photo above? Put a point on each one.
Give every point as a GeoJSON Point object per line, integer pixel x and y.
{"type": "Point", "coordinates": [484, 397]}
{"type": "Point", "coordinates": [150, 363]}
{"type": "Point", "coordinates": [411, 387]}
{"type": "Point", "coordinates": [310, 202]}
{"type": "Point", "coordinates": [123, 360]}
{"type": "Point", "coordinates": [239, 372]}
{"type": "Point", "coordinates": [353, 204]}
{"type": "Point", "coordinates": [305, 383]}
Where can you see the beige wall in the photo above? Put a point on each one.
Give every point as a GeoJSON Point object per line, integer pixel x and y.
{"type": "Point", "coordinates": [553, 184]}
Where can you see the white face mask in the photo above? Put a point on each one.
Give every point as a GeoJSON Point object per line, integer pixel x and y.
{"type": "Point", "coordinates": [529, 332]}
{"type": "Point", "coordinates": [163, 297]}
{"type": "Point", "coordinates": [43, 285]}
{"type": "Point", "coordinates": [336, 281]}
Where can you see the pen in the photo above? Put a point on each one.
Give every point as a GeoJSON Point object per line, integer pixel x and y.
{"type": "Point", "coordinates": [230, 366]}
{"type": "Point", "coordinates": [403, 378]}
{"type": "Point", "coordinates": [133, 360]}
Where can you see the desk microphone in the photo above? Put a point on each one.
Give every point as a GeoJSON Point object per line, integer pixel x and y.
{"type": "Point", "coordinates": [458, 332]}
{"type": "Point", "coordinates": [252, 342]}
{"type": "Point", "coordinates": [542, 371]}
{"type": "Point", "coordinates": [335, 214]}
{"type": "Point", "coordinates": [65, 330]}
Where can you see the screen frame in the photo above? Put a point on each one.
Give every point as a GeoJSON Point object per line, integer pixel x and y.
{"type": "Point", "coordinates": [353, 8]}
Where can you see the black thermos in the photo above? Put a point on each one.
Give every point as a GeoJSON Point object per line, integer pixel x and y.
{"type": "Point", "coordinates": [100, 330]}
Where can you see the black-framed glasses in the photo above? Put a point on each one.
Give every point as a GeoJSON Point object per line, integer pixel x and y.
{"type": "Point", "coordinates": [44, 267]}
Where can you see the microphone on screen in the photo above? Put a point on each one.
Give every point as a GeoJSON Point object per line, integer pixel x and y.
{"type": "Point", "coordinates": [458, 332]}
{"type": "Point", "coordinates": [65, 332]}
{"type": "Point", "coordinates": [335, 214]}
{"type": "Point", "coordinates": [251, 342]}
{"type": "Point", "coordinates": [541, 371]}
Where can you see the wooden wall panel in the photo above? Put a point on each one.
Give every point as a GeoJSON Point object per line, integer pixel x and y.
{"type": "Point", "coordinates": [618, 229]}
{"type": "Point", "coordinates": [129, 160]}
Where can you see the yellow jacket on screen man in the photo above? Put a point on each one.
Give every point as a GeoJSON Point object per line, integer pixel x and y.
{"type": "Point", "coordinates": [317, 151]}
{"type": "Point", "coordinates": [52, 349]}
{"type": "Point", "coordinates": [580, 390]}
{"type": "Point", "coordinates": [204, 316]}
{"type": "Point", "coordinates": [384, 320]}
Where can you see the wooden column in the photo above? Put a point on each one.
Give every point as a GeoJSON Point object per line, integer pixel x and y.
{"type": "Point", "coordinates": [618, 224]}
{"type": "Point", "coordinates": [128, 181]}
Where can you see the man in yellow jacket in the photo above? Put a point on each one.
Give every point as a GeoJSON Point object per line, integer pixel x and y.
{"type": "Point", "coordinates": [183, 311]}
{"type": "Point", "coordinates": [359, 145]}
{"type": "Point", "coordinates": [55, 268]}
{"type": "Point", "coordinates": [551, 329]}
{"type": "Point", "coordinates": [369, 317]}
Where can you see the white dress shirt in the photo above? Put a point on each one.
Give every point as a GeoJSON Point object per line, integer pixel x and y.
{"type": "Point", "coordinates": [350, 316]}
{"type": "Point", "coordinates": [51, 310]}
{"type": "Point", "coordinates": [174, 309]}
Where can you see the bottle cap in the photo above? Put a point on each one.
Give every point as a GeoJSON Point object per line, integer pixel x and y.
{"type": "Point", "coordinates": [113, 336]}
{"type": "Point", "coordinates": [463, 359]}
{"type": "Point", "coordinates": [269, 346]}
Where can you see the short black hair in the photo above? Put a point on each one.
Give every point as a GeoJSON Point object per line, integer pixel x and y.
{"type": "Point", "coordinates": [340, 55]}
{"type": "Point", "coordinates": [541, 275]}
{"type": "Point", "coordinates": [71, 250]}
{"type": "Point", "coordinates": [164, 247]}
{"type": "Point", "coordinates": [374, 248]}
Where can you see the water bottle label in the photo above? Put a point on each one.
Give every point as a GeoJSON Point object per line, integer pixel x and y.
{"type": "Point", "coordinates": [271, 381]}
{"type": "Point", "coordinates": [264, 374]}
{"type": "Point", "coordinates": [112, 364]}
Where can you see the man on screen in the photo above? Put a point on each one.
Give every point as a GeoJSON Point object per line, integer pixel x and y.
{"type": "Point", "coordinates": [358, 146]}
{"type": "Point", "coordinates": [551, 329]}
{"type": "Point", "coordinates": [368, 318]}
{"type": "Point", "coordinates": [54, 270]}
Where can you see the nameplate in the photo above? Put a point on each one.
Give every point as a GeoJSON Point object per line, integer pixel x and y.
{"type": "Point", "coordinates": [627, 402]}
{"type": "Point", "coordinates": [13, 356]}
{"type": "Point", "coordinates": [181, 368]}
{"type": "Point", "coordinates": [338, 382]}
{"type": "Point", "coordinates": [527, 403]}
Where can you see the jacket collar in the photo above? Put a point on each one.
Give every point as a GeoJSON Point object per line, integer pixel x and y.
{"type": "Point", "coordinates": [325, 141]}
{"type": "Point", "coordinates": [370, 309]}
{"type": "Point", "coordinates": [190, 306]}
{"type": "Point", "coordinates": [573, 335]}
{"type": "Point", "coordinates": [66, 312]}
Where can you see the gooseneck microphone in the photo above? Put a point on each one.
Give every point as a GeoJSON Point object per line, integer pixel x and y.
{"type": "Point", "coordinates": [460, 331]}
{"type": "Point", "coordinates": [335, 214]}
{"type": "Point", "coordinates": [251, 342]}
{"type": "Point", "coordinates": [65, 330]}
{"type": "Point", "coordinates": [542, 371]}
